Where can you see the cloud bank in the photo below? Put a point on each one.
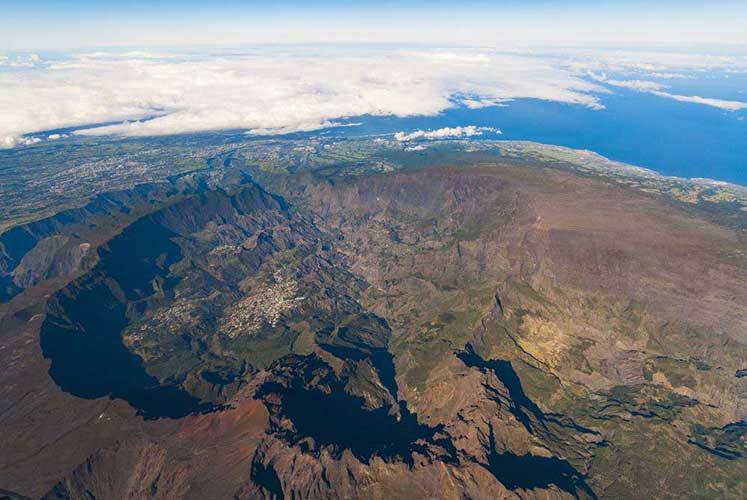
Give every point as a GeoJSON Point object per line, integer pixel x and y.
{"type": "Point", "coordinates": [268, 91]}
{"type": "Point", "coordinates": [283, 90]}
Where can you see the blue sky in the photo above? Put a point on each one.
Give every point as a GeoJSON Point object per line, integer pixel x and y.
{"type": "Point", "coordinates": [35, 24]}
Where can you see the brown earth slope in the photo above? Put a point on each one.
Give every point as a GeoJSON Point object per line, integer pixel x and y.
{"type": "Point", "coordinates": [476, 331]}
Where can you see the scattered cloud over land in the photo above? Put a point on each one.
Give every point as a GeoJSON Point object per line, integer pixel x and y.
{"type": "Point", "coordinates": [445, 133]}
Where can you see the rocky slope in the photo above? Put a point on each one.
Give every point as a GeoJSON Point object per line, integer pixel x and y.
{"type": "Point", "coordinates": [481, 329]}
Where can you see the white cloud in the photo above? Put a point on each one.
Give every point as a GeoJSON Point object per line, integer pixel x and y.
{"type": "Point", "coordinates": [281, 90]}
{"type": "Point", "coordinates": [641, 85]}
{"type": "Point", "coordinates": [267, 90]}
{"type": "Point", "coordinates": [10, 142]}
{"type": "Point", "coordinates": [444, 133]}
{"type": "Point", "coordinates": [657, 89]}
{"type": "Point", "coordinates": [484, 103]}
{"type": "Point", "coordinates": [20, 60]}
{"type": "Point", "coordinates": [667, 76]}
{"type": "Point", "coordinates": [717, 103]}
{"type": "Point", "coordinates": [663, 62]}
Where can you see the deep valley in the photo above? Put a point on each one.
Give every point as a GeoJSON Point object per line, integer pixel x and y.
{"type": "Point", "coordinates": [359, 319]}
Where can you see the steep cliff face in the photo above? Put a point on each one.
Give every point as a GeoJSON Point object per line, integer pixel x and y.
{"type": "Point", "coordinates": [583, 271]}
{"type": "Point", "coordinates": [56, 247]}
{"type": "Point", "coordinates": [616, 310]}
{"type": "Point", "coordinates": [158, 292]}
{"type": "Point", "coordinates": [481, 331]}
{"type": "Point", "coordinates": [499, 447]}
{"type": "Point", "coordinates": [203, 456]}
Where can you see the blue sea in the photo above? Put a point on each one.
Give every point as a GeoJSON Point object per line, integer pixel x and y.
{"type": "Point", "coordinates": [671, 137]}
